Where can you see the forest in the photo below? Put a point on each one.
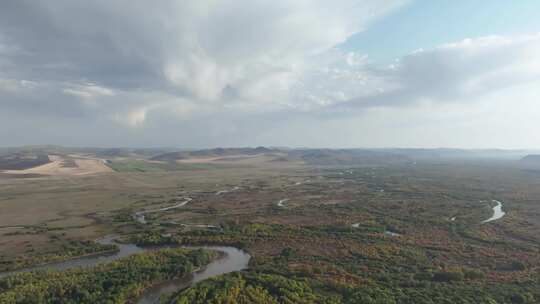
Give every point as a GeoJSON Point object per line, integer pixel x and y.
{"type": "Point", "coordinates": [115, 282]}
{"type": "Point", "coordinates": [382, 272]}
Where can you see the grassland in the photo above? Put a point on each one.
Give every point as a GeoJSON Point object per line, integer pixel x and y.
{"type": "Point", "coordinates": [130, 165]}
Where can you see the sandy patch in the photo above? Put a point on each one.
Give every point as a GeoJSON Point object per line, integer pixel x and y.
{"type": "Point", "coordinates": [59, 166]}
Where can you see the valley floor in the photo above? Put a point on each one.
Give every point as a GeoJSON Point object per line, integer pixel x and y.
{"type": "Point", "coordinates": [357, 234]}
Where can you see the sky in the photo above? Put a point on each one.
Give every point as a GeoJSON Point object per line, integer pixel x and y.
{"type": "Point", "coordinates": [303, 73]}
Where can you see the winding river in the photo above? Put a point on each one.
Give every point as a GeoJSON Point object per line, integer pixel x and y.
{"type": "Point", "coordinates": [386, 232]}
{"type": "Point", "coordinates": [282, 202]}
{"type": "Point", "coordinates": [227, 191]}
{"type": "Point", "coordinates": [497, 212]}
{"type": "Point", "coordinates": [233, 259]}
{"type": "Point", "coordinates": [140, 216]}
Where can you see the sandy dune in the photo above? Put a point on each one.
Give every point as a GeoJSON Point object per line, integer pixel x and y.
{"type": "Point", "coordinates": [59, 166]}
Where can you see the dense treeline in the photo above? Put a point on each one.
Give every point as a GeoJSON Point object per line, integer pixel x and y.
{"type": "Point", "coordinates": [368, 268]}
{"type": "Point", "coordinates": [67, 250]}
{"type": "Point", "coordinates": [115, 282]}
{"type": "Point", "coordinates": [260, 288]}
{"type": "Point", "coordinates": [250, 288]}
{"type": "Point", "coordinates": [263, 288]}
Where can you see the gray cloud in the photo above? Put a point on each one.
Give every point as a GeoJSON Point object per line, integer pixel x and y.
{"type": "Point", "coordinates": [188, 49]}
{"type": "Point", "coordinates": [206, 73]}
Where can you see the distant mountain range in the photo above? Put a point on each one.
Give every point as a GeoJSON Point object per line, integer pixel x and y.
{"type": "Point", "coordinates": [212, 153]}
{"type": "Point", "coordinates": [33, 155]}
{"type": "Point", "coordinates": [347, 157]}
{"type": "Point", "coordinates": [343, 156]}
{"type": "Point", "coordinates": [531, 159]}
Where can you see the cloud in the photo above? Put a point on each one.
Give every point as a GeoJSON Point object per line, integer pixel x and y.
{"type": "Point", "coordinates": [226, 70]}
{"type": "Point", "coordinates": [88, 91]}
{"type": "Point", "coordinates": [197, 50]}
{"type": "Point", "coordinates": [457, 72]}
{"type": "Point", "coordinates": [14, 85]}
{"type": "Point", "coordinates": [133, 118]}
{"type": "Point", "coordinates": [168, 65]}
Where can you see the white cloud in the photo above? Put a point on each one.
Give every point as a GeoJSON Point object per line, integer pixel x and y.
{"type": "Point", "coordinates": [238, 65]}
{"type": "Point", "coordinates": [241, 53]}
{"type": "Point", "coordinates": [133, 118]}
{"type": "Point", "coordinates": [459, 71]}
{"type": "Point", "coordinates": [14, 85]}
{"type": "Point", "coordinates": [88, 91]}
